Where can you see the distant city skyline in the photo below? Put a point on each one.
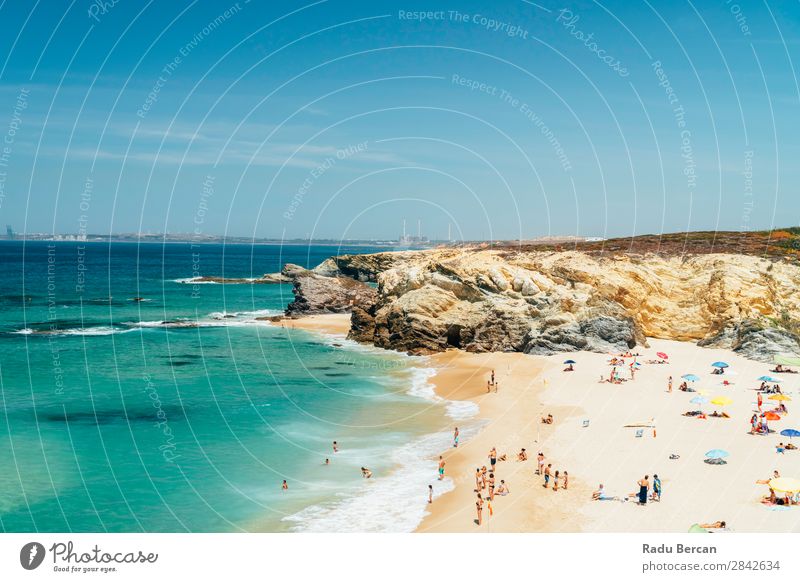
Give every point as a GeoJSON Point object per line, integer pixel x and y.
{"type": "Point", "coordinates": [334, 120]}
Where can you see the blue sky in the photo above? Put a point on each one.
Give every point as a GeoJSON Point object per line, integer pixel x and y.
{"type": "Point", "coordinates": [337, 119]}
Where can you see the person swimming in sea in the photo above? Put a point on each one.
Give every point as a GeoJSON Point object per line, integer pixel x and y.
{"type": "Point", "coordinates": [366, 473]}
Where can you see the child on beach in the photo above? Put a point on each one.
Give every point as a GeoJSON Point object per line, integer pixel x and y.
{"type": "Point", "coordinates": [555, 482]}
{"type": "Point", "coordinates": [566, 480]}
{"type": "Point", "coordinates": [656, 488]}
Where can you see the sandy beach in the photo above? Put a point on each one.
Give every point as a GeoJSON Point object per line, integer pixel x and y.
{"type": "Point", "coordinates": [335, 324]}
{"type": "Point", "coordinates": [608, 452]}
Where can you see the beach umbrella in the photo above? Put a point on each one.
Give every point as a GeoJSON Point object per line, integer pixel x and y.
{"type": "Point", "coordinates": [717, 454]}
{"type": "Point", "coordinates": [785, 484]}
{"type": "Point", "coordinates": [699, 400]}
{"type": "Point", "coordinates": [772, 416]}
{"type": "Point", "coordinates": [691, 377]}
{"type": "Point", "coordinates": [662, 355]}
{"type": "Point", "coordinates": [721, 401]}
{"type": "Point", "coordinates": [719, 365]}
{"type": "Point", "coordinates": [790, 432]}
{"type": "Point", "coordinates": [697, 529]}
{"type": "Point", "coordinates": [769, 379]}
{"type": "Point", "coordinates": [781, 397]}
{"type": "Point", "coordinates": [570, 362]}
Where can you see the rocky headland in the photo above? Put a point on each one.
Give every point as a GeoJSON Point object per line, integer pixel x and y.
{"type": "Point", "coordinates": [546, 301]}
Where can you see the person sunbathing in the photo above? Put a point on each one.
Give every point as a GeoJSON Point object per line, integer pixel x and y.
{"type": "Point", "coordinates": [522, 455]}
{"type": "Point", "coordinates": [790, 447]}
{"type": "Point", "coordinates": [599, 494]}
{"type": "Point", "coordinates": [569, 368]}
{"type": "Point", "coordinates": [693, 413]}
{"type": "Point", "coordinates": [713, 525]}
{"type": "Point", "coordinates": [502, 489]}
{"type": "Point", "coordinates": [547, 419]}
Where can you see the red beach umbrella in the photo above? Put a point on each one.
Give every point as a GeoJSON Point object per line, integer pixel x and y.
{"type": "Point", "coordinates": [772, 416]}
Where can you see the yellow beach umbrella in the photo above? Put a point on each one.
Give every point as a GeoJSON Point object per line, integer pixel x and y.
{"type": "Point", "coordinates": [780, 397]}
{"type": "Point", "coordinates": [785, 484]}
{"type": "Point", "coordinates": [721, 401]}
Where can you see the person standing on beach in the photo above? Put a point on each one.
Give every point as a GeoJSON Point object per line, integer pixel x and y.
{"type": "Point", "coordinates": [547, 475]}
{"type": "Point", "coordinates": [479, 508]}
{"type": "Point", "coordinates": [492, 376]}
{"type": "Point", "coordinates": [555, 482]}
{"type": "Point", "coordinates": [644, 487]}
{"type": "Point", "coordinates": [455, 438]}
{"type": "Point", "coordinates": [493, 458]}
{"type": "Point", "coordinates": [566, 480]}
{"type": "Point", "coordinates": [441, 467]}
{"type": "Point", "coordinates": [488, 386]}
{"type": "Point", "coordinates": [540, 461]}
{"type": "Point", "coordinates": [477, 479]}
{"type": "Point", "coordinates": [669, 384]}
{"type": "Point", "coordinates": [656, 488]}
{"type": "Point", "coordinates": [430, 493]}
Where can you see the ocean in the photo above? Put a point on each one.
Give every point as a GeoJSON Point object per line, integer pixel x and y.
{"type": "Point", "coordinates": [134, 400]}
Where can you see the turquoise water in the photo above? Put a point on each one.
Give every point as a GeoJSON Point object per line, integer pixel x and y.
{"type": "Point", "coordinates": [182, 411]}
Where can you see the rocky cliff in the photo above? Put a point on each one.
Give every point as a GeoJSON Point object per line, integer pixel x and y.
{"type": "Point", "coordinates": [315, 293]}
{"type": "Point", "coordinates": [543, 302]}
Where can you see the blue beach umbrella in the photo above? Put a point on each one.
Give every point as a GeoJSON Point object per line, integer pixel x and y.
{"type": "Point", "coordinates": [570, 362]}
{"type": "Point", "coordinates": [790, 432]}
{"type": "Point", "coordinates": [717, 454]}
{"type": "Point", "coordinates": [719, 365]}
{"type": "Point", "coordinates": [769, 379]}
{"type": "Point", "coordinates": [691, 377]}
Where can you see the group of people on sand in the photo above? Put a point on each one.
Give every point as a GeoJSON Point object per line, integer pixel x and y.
{"type": "Point", "coordinates": [644, 490]}
{"type": "Point", "coordinates": [559, 479]}
{"type": "Point", "coordinates": [486, 485]}
{"type": "Point", "coordinates": [491, 383]}
{"type": "Point", "coordinates": [647, 491]}
{"type": "Point", "coordinates": [773, 498]}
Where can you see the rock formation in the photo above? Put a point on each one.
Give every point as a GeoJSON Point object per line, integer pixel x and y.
{"type": "Point", "coordinates": [546, 302]}
{"type": "Point", "coordinates": [315, 293]}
